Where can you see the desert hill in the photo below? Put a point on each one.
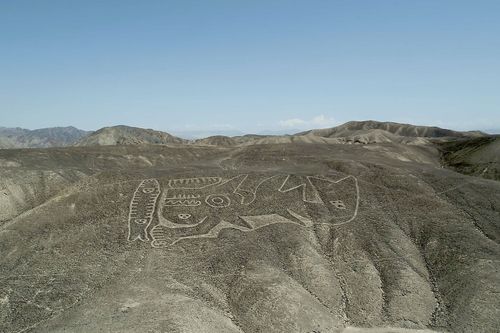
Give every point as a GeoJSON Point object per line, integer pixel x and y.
{"type": "Point", "coordinates": [39, 138]}
{"type": "Point", "coordinates": [278, 237]}
{"type": "Point", "coordinates": [126, 135]}
{"type": "Point", "coordinates": [404, 130]}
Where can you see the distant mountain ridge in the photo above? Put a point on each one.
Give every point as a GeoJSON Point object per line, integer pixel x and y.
{"type": "Point", "coordinates": [40, 138]}
{"type": "Point", "coordinates": [353, 132]}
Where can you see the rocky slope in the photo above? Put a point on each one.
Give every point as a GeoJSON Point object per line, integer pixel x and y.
{"type": "Point", "coordinates": [126, 135]}
{"type": "Point", "coordinates": [476, 156]}
{"type": "Point", "coordinates": [288, 237]}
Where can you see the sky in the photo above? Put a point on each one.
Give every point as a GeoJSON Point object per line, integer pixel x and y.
{"type": "Point", "coordinates": [249, 65]}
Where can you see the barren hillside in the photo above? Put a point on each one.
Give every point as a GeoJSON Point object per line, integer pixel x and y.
{"type": "Point", "coordinates": [290, 237]}
{"type": "Point", "coordinates": [125, 135]}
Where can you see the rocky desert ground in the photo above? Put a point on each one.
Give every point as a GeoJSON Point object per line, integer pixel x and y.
{"type": "Point", "coordinates": [368, 228]}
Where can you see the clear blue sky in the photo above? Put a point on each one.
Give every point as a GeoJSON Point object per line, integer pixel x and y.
{"type": "Point", "coordinates": [249, 65]}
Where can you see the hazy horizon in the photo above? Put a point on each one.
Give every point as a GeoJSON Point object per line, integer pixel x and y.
{"type": "Point", "coordinates": [203, 133]}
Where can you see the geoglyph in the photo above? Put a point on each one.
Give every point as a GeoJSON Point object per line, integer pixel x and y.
{"type": "Point", "coordinates": [202, 207]}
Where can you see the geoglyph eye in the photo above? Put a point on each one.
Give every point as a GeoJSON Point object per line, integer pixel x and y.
{"type": "Point", "coordinates": [217, 200]}
{"type": "Point", "coordinates": [184, 216]}
{"type": "Point", "coordinates": [148, 190]}
{"type": "Point", "coordinates": [141, 221]}
{"type": "Point", "coordinates": [339, 204]}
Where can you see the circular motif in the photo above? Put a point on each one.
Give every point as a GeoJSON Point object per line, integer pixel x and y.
{"type": "Point", "coordinates": [218, 200]}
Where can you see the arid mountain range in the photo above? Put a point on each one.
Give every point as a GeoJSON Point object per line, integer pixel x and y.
{"type": "Point", "coordinates": [351, 132]}
{"type": "Point", "coordinates": [473, 152]}
{"type": "Point", "coordinates": [363, 228]}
